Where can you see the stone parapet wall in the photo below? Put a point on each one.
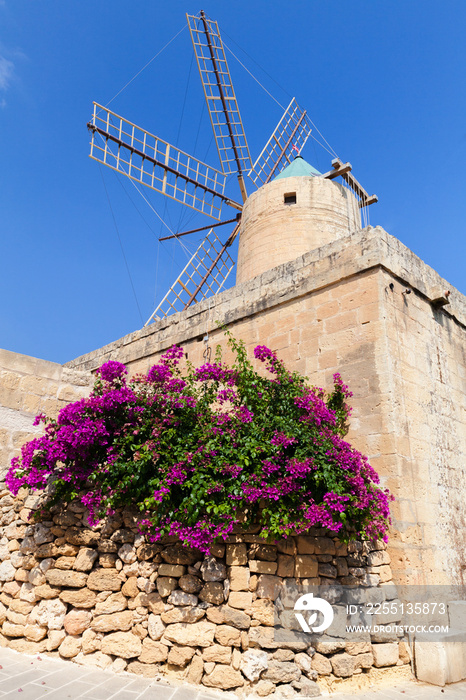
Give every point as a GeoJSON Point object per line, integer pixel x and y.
{"type": "Point", "coordinates": [103, 596]}
{"type": "Point", "coordinates": [29, 386]}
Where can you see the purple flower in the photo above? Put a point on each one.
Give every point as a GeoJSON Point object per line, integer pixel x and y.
{"type": "Point", "coordinates": [111, 370]}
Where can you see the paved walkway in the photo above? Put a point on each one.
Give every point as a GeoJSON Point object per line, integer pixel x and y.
{"type": "Point", "coordinates": [37, 677]}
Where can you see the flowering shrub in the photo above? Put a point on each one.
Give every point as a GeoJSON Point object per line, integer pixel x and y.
{"type": "Point", "coordinates": [203, 451]}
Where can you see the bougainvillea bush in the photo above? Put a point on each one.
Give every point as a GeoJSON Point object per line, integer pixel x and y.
{"type": "Point", "coordinates": [201, 451]}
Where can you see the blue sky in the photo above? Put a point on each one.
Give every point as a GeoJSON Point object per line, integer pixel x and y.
{"type": "Point", "coordinates": [384, 82]}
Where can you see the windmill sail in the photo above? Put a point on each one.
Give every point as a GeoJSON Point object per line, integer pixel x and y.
{"type": "Point", "coordinates": [289, 136]}
{"type": "Point", "coordinates": [145, 158]}
{"type": "Point", "coordinates": [220, 96]}
{"type": "Point", "coordinates": [204, 275]}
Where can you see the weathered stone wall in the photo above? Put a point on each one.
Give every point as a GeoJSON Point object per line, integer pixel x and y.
{"type": "Point", "coordinates": [102, 596]}
{"type": "Point", "coordinates": [334, 309]}
{"type": "Point", "coordinates": [29, 386]}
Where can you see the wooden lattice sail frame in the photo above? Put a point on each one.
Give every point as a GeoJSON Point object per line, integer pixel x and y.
{"type": "Point", "coordinates": [149, 160]}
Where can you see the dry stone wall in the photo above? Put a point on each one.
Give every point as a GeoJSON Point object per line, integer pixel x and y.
{"type": "Point", "coordinates": [103, 596]}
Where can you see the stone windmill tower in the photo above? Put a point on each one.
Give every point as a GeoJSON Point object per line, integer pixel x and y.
{"type": "Point", "coordinates": [296, 212]}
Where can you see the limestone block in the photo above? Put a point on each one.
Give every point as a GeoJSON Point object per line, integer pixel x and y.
{"type": "Point", "coordinates": [16, 618]}
{"type": "Point", "coordinates": [116, 602]}
{"type": "Point", "coordinates": [165, 585]}
{"type": "Point", "coordinates": [85, 559]}
{"type": "Point", "coordinates": [306, 566]}
{"type": "Point", "coordinates": [91, 641]}
{"type": "Point", "coordinates": [236, 554]}
{"type": "Point", "coordinates": [196, 634]}
{"type": "Point", "coordinates": [195, 671]}
{"type": "Point", "coordinates": [264, 688]}
{"type": "Point", "coordinates": [83, 598]}
{"type": "Point", "coordinates": [326, 569]}
{"type": "Point", "coordinates": [263, 610]}
{"type": "Point", "coordinates": [76, 621]}
{"type": "Point", "coordinates": [227, 636]}
{"type": "Point", "coordinates": [19, 606]}
{"type": "Point", "coordinates": [267, 586]}
{"type": "Point", "coordinates": [177, 554]}
{"type": "Point", "coordinates": [223, 677]}
{"type": "Point", "coordinates": [178, 597]}
{"type": "Point", "coordinates": [212, 592]}
{"type": "Point", "coordinates": [321, 664]}
{"type": "Point", "coordinates": [122, 621]}
{"type": "Point", "coordinates": [239, 578]}
{"type": "Point", "coordinates": [303, 662]}
{"type": "Point", "coordinates": [308, 688]}
{"type": "Point", "coordinates": [378, 558]}
{"type": "Point", "coordinates": [264, 552]}
{"type": "Point", "coordinates": [42, 533]}
{"type": "Point", "coordinates": [107, 561]}
{"type": "Point", "coordinates": [263, 567]}
{"type": "Point", "coordinates": [282, 672]}
{"type": "Point", "coordinates": [11, 588]}
{"type": "Point", "coordinates": [96, 659]}
{"type": "Point", "coordinates": [28, 592]}
{"type": "Point", "coordinates": [124, 644]}
{"type": "Point", "coordinates": [442, 661]}
{"type": "Point", "coordinates": [24, 646]}
{"type": "Point", "coordinates": [104, 580]}
{"type": "Point", "coordinates": [36, 576]}
{"type": "Point", "coordinates": [253, 663]}
{"type": "Point", "coordinates": [365, 660]}
{"type": "Point", "coordinates": [49, 613]}
{"type": "Point", "coordinates": [65, 563]}
{"type": "Point", "coordinates": [152, 601]}
{"type": "Point", "coordinates": [130, 587]}
{"type": "Point", "coordinates": [385, 654]}
{"type": "Point", "coordinates": [236, 618]}
{"type": "Point", "coordinates": [179, 655]}
{"type": "Point", "coordinates": [217, 653]}
{"type": "Point", "coordinates": [287, 546]}
{"type": "Point", "coordinates": [175, 570]}
{"type": "Point", "coordinates": [34, 633]}
{"type": "Point", "coordinates": [285, 565]}
{"type": "Point", "coordinates": [358, 646]}
{"type": "Point", "coordinates": [71, 579]}
{"type": "Point", "coordinates": [7, 571]}
{"type": "Point", "coordinates": [155, 627]}
{"type": "Point", "coordinates": [12, 630]}
{"type": "Point", "coordinates": [81, 537]}
{"type": "Point", "coordinates": [190, 583]}
{"type": "Point", "coordinates": [213, 570]}
{"type": "Point", "coordinates": [70, 647]}
{"type": "Point", "coordinates": [240, 599]}
{"type": "Point", "coordinates": [343, 665]}
{"type": "Point", "coordinates": [153, 652]}
{"type": "Point", "coordinates": [54, 639]}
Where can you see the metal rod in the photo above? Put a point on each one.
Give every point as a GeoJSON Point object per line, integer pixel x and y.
{"type": "Point", "coordinates": [285, 147]}
{"type": "Point", "coordinates": [219, 255]}
{"type": "Point", "coordinates": [224, 104]}
{"type": "Point", "coordinates": [202, 228]}
{"type": "Point", "coordinates": [165, 167]}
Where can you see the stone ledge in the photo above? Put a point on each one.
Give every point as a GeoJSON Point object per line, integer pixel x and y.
{"type": "Point", "coordinates": [359, 252]}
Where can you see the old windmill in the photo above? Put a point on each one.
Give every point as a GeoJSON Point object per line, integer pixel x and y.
{"type": "Point", "coordinates": [151, 161]}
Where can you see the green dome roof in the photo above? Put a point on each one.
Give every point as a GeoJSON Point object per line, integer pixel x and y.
{"type": "Point", "coordinates": [298, 167]}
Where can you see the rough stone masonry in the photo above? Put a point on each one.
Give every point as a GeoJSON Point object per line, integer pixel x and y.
{"type": "Point", "coordinates": [102, 596]}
